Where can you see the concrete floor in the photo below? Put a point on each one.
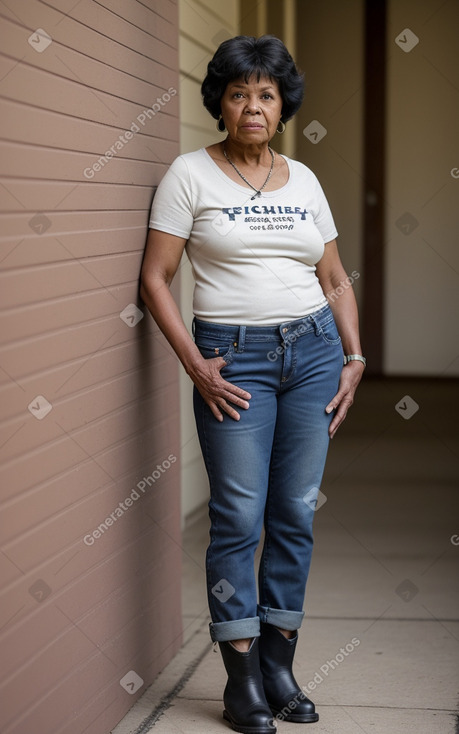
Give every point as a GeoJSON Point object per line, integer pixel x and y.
{"type": "Point", "coordinates": [384, 582]}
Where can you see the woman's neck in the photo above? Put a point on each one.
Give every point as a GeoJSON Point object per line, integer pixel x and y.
{"type": "Point", "coordinates": [251, 155]}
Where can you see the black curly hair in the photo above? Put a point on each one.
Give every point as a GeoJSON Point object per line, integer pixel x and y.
{"type": "Point", "coordinates": [243, 56]}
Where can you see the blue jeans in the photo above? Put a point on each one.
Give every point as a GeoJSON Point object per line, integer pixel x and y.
{"type": "Point", "coordinates": [266, 468]}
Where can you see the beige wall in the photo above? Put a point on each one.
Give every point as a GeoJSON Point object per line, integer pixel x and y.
{"type": "Point", "coordinates": [421, 263]}
{"type": "Point", "coordinates": [89, 403]}
{"type": "Point", "coordinates": [330, 53]}
{"type": "Point", "coordinates": [422, 222]}
{"type": "Point", "coordinates": [203, 26]}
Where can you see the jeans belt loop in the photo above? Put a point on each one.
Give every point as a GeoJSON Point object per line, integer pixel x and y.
{"type": "Point", "coordinates": [193, 326]}
{"type": "Point", "coordinates": [316, 325]}
{"type": "Point", "coordinates": [241, 339]}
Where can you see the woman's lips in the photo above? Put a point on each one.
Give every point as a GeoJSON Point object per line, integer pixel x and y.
{"type": "Point", "coordinates": [253, 125]}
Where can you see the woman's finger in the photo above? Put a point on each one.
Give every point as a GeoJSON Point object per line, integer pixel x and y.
{"type": "Point", "coordinates": [231, 389]}
{"type": "Point", "coordinates": [220, 394]}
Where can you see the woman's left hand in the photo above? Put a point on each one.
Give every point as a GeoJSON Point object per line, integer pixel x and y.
{"type": "Point", "coordinates": [350, 377]}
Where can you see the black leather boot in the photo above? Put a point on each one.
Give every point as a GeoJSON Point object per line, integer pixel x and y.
{"type": "Point", "coordinates": [281, 688]}
{"type": "Point", "coordinates": [245, 703]}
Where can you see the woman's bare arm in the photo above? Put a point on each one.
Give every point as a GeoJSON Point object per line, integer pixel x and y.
{"type": "Point", "coordinates": [162, 258]}
{"type": "Point", "coordinates": [332, 275]}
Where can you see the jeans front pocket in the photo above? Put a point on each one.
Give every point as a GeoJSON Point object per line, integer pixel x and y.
{"type": "Point", "coordinates": [328, 331]}
{"type": "Point", "coordinates": [211, 348]}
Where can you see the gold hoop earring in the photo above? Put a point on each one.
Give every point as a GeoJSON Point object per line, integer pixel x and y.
{"type": "Point", "coordinates": [218, 125]}
{"type": "Point", "coordinates": [282, 130]}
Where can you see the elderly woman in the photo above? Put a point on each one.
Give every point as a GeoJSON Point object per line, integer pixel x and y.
{"type": "Point", "coordinates": [270, 386]}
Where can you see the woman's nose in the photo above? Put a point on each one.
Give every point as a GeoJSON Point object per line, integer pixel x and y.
{"type": "Point", "coordinates": [252, 106]}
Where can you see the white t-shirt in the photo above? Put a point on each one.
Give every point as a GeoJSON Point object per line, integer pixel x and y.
{"type": "Point", "coordinates": [253, 259]}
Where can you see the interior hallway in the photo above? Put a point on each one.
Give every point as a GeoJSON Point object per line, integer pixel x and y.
{"type": "Point", "coordinates": [384, 583]}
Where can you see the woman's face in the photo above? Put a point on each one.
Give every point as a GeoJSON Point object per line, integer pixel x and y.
{"type": "Point", "coordinates": [251, 111]}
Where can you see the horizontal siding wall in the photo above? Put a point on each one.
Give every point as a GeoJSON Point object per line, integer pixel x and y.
{"type": "Point", "coordinates": [89, 430]}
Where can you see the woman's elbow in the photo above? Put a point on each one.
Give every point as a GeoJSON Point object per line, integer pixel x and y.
{"type": "Point", "coordinates": [151, 286]}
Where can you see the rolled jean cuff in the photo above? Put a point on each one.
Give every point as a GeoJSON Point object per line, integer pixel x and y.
{"type": "Point", "coordinates": [281, 618]}
{"type": "Point", "coordinates": [236, 629]}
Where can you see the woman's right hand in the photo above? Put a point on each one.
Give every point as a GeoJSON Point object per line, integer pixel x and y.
{"type": "Point", "coordinates": [219, 394]}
